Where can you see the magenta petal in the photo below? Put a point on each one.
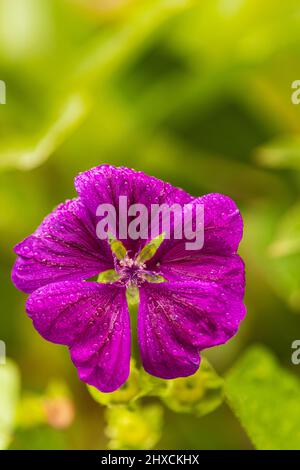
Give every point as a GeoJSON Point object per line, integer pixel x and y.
{"type": "Point", "coordinates": [93, 321]}
{"type": "Point", "coordinates": [217, 259]}
{"type": "Point", "coordinates": [227, 271]}
{"type": "Point", "coordinates": [64, 247]}
{"type": "Point", "coordinates": [223, 231]}
{"type": "Point", "coordinates": [106, 183]}
{"type": "Point", "coordinates": [223, 224]}
{"type": "Point", "coordinates": [178, 319]}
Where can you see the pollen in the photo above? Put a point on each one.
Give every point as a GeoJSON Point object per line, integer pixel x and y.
{"type": "Point", "coordinates": [131, 271]}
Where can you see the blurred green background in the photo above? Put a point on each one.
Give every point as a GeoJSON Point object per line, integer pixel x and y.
{"type": "Point", "coordinates": [197, 93]}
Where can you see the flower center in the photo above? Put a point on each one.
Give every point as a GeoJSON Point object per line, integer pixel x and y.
{"type": "Point", "coordinates": [131, 271]}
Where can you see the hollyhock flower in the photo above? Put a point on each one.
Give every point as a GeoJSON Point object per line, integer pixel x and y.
{"type": "Point", "coordinates": [199, 304]}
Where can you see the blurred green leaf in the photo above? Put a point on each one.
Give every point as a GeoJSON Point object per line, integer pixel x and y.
{"type": "Point", "coordinates": [106, 53]}
{"type": "Point", "coordinates": [97, 62]}
{"type": "Point", "coordinates": [265, 398]}
{"type": "Point", "coordinates": [287, 239]}
{"type": "Point", "coordinates": [40, 438]}
{"type": "Point", "coordinates": [282, 153]}
{"type": "Point", "coordinates": [213, 173]}
{"type": "Point", "coordinates": [281, 273]}
{"type": "Point", "coordinates": [9, 395]}
{"type": "Point", "coordinates": [31, 411]}
{"type": "Point", "coordinates": [187, 91]}
{"type": "Point", "coordinates": [279, 255]}
{"type": "Point", "coordinates": [31, 20]}
{"type": "Point", "coordinates": [69, 117]}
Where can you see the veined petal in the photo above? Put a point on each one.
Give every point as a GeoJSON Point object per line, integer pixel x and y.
{"type": "Point", "coordinates": [178, 319]}
{"type": "Point", "coordinates": [64, 247]}
{"type": "Point", "coordinates": [223, 224]}
{"type": "Point", "coordinates": [105, 184]}
{"type": "Point", "coordinates": [217, 259]}
{"type": "Point", "coordinates": [93, 321]}
{"type": "Point", "coordinates": [227, 271]}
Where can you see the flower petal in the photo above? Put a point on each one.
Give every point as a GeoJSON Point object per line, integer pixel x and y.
{"type": "Point", "coordinates": [227, 271]}
{"type": "Point", "coordinates": [178, 319]}
{"type": "Point", "coordinates": [105, 184]}
{"type": "Point", "coordinates": [223, 224]}
{"type": "Point", "coordinates": [217, 259]}
{"type": "Point", "coordinates": [64, 247]}
{"type": "Point", "coordinates": [93, 321]}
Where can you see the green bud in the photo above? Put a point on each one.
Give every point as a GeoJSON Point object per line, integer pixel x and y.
{"type": "Point", "coordinates": [152, 386]}
{"type": "Point", "coordinates": [199, 394]}
{"type": "Point", "coordinates": [138, 428]}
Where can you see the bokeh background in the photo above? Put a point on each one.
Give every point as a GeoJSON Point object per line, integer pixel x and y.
{"type": "Point", "coordinates": [197, 93]}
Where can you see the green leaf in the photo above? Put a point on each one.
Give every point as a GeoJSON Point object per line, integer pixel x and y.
{"type": "Point", "coordinates": [9, 395]}
{"type": "Point", "coordinates": [265, 397]}
{"type": "Point", "coordinates": [199, 394]}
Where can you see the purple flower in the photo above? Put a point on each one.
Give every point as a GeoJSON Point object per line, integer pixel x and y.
{"type": "Point", "coordinates": [199, 306]}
